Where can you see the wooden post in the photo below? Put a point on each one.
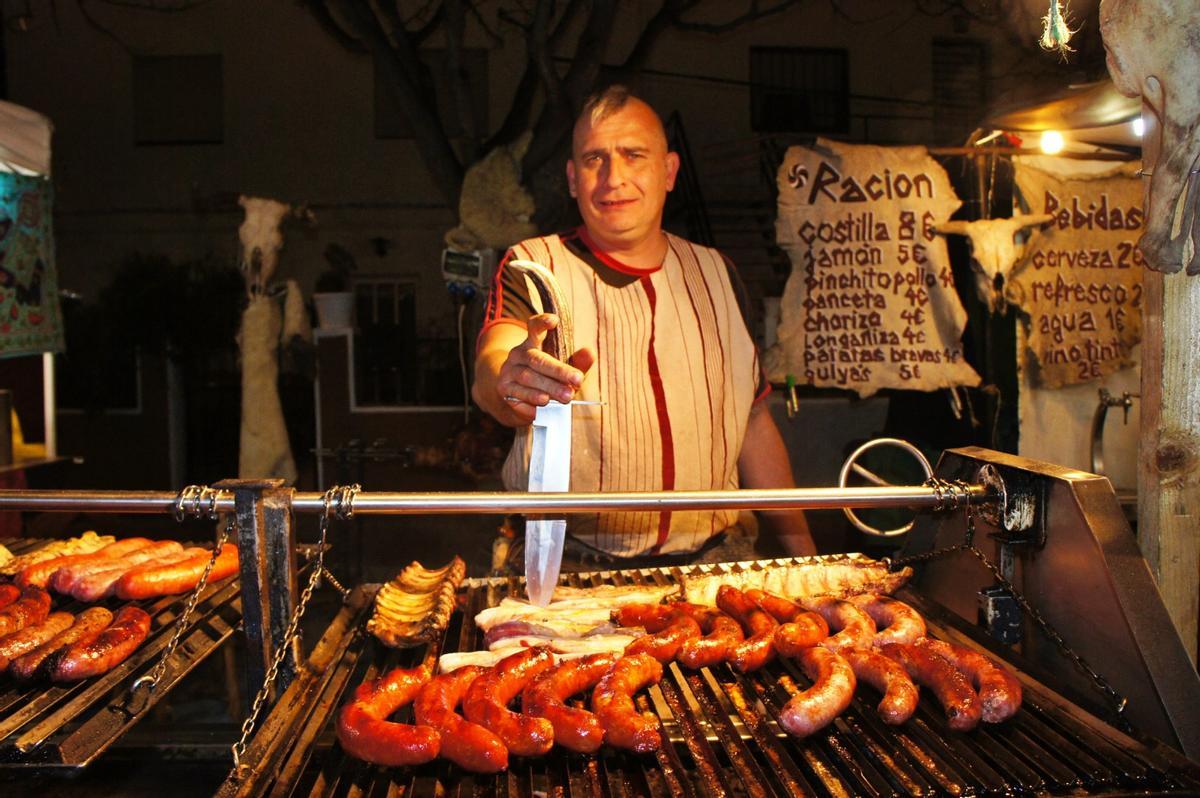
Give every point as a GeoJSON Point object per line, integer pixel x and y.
{"type": "Point", "coordinates": [1169, 461]}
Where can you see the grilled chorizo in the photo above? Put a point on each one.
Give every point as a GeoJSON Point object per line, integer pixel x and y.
{"type": "Point", "coordinates": [805, 630]}
{"type": "Point", "coordinates": [888, 677]}
{"type": "Point", "coordinates": [96, 583]}
{"type": "Point", "coordinates": [466, 744]}
{"type": "Point", "coordinates": [546, 697]}
{"type": "Point", "coordinates": [29, 610]}
{"type": "Point", "coordinates": [667, 629]}
{"type": "Point", "coordinates": [851, 626]}
{"type": "Point", "coordinates": [721, 635]}
{"type": "Point", "coordinates": [759, 646]}
{"type": "Point", "coordinates": [39, 573]}
{"type": "Point", "coordinates": [104, 652]}
{"type": "Point", "coordinates": [365, 732]}
{"type": "Point", "coordinates": [29, 638]}
{"type": "Point", "coordinates": [165, 580]}
{"type": "Point", "coordinates": [831, 692]}
{"type": "Point", "coordinates": [612, 701]}
{"type": "Point", "coordinates": [87, 625]}
{"type": "Point", "coordinates": [8, 594]}
{"type": "Point", "coordinates": [488, 697]}
{"type": "Point", "coordinates": [999, 690]}
{"type": "Point", "coordinates": [953, 692]}
{"type": "Point", "coordinates": [895, 621]}
{"type": "Point", "coordinates": [779, 608]}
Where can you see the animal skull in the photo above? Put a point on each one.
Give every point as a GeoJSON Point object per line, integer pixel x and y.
{"type": "Point", "coordinates": [261, 240]}
{"type": "Point", "coordinates": [1154, 52]}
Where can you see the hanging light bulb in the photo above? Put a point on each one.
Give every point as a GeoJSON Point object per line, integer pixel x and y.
{"type": "Point", "coordinates": [1139, 127]}
{"type": "Point", "coordinates": [1052, 142]}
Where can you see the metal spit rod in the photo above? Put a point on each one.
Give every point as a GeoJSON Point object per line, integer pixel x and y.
{"type": "Point", "coordinates": [391, 503]}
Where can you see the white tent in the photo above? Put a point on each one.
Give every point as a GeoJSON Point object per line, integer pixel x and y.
{"type": "Point", "coordinates": [25, 149]}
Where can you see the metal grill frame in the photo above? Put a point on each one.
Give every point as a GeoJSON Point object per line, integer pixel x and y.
{"type": "Point", "coordinates": [724, 739]}
{"type": "Point", "coordinates": [60, 729]}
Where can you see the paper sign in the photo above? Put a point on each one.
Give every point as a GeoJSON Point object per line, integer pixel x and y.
{"type": "Point", "coordinates": [870, 302]}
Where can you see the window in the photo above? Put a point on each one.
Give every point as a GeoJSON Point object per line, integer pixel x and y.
{"type": "Point", "coordinates": [799, 90]}
{"type": "Point", "coordinates": [390, 121]}
{"type": "Point", "coordinates": [178, 99]}
{"type": "Point", "coordinates": [393, 363]}
{"type": "Point", "coordinates": [959, 89]}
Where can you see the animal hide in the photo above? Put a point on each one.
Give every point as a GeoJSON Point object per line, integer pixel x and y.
{"type": "Point", "coordinates": [264, 448]}
{"type": "Point", "coordinates": [1154, 52]}
{"type": "Point", "coordinates": [994, 250]}
{"type": "Point", "coordinates": [494, 209]}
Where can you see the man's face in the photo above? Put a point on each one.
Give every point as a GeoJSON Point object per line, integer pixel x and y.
{"type": "Point", "coordinates": [620, 173]}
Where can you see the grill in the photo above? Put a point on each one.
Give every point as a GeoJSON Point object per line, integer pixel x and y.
{"type": "Point", "coordinates": [61, 729]}
{"type": "Point", "coordinates": [724, 739]}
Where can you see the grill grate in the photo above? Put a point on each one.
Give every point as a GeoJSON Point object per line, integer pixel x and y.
{"type": "Point", "coordinates": [724, 738]}
{"type": "Point", "coordinates": [64, 728]}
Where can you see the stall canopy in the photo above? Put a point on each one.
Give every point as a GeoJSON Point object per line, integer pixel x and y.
{"type": "Point", "coordinates": [1094, 113]}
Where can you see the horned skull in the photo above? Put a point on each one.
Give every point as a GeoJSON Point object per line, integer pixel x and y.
{"type": "Point", "coordinates": [1154, 52]}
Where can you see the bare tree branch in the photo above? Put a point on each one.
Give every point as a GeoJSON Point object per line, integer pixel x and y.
{"type": "Point", "coordinates": [457, 76]}
{"type": "Point", "coordinates": [330, 24]}
{"type": "Point", "coordinates": [752, 13]}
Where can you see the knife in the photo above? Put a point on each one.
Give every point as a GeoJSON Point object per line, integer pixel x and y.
{"type": "Point", "coordinates": [550, 445]}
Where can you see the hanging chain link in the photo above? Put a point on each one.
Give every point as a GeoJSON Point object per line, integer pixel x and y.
{"type": "Point", "coordinates": [190, 501]}
{"type": "Point", "coordinates": [941, 489]}
{"type": "Point", "coordinates": [339, 502]}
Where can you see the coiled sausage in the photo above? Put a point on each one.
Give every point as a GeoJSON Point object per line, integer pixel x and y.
{"type": "Point", "coordinates": [365, 732]}
{"type": "Point", "coordinates": [721, 636]}
{"type": "Point", "coordinates": [612, 701]}
{"type": "Point", "coordinates": [667, 627]}
{"type": "Point", "coordinates": [488, 697]}
{"type": "Point", "coordinates": [852, 627]}
{"type": "Point", "coordinates": [895, 621]}
{"type": "Point", "coordinates": [953, 692]}
{"type": "Point", "coordinates": [999, 690]}
{"type": "Point", "coordinates": [830, 694]}
{"type": "Point", "coordinates": [546, 697]}
{"type": "Point", "coordinates": [466, 744]}
{"type": "Point", "coordinates": [900, 693]}
{"type": "Point", "coordinates": [759, 646]}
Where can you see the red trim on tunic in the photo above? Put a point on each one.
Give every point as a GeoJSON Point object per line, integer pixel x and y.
{"type": "Point", "coordinates": [609, 260]}
{"type": "Point", "coordinates": [664, 420]}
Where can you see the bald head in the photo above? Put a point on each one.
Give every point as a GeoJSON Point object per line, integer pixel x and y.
{"type": "Point", "coordinates": [613, 100]}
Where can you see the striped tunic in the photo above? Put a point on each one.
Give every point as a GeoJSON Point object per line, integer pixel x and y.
{"type": "Point", "coordinates": [678, 373]}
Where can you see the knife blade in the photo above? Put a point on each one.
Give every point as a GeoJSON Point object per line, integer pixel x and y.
{"type": "Point", "coordinates": [549, 471]}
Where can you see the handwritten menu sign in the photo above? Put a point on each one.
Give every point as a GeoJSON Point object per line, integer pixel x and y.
{"type": "Point", "coordinates": [870, 302]}
{"type": "Point", "coordinates": [1081, 278]}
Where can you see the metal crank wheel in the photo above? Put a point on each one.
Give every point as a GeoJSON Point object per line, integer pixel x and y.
{"type": "Point", "coordinates": [851, 464]}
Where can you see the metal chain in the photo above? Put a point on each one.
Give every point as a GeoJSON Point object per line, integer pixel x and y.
{"type": "Point", "coordinates": [197, 495]}
{"type": "Point", "coordinates": [1118, 701]}
{"type": "Point", "coordinates": [338, 501]}
{"type": "Point", "coordinates": [335, 584]}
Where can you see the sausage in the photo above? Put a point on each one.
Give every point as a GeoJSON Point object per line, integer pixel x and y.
{"type": "Point", "coordinates": [888, 677]}
{"type": "Point", "coordinates": [830, 694]}
{"type": "Point", "coordinates": [805, 630]}
{"type": "Point", "coordinates": [29, 610]}
{"type": "Point", "coordinates": [104, 652]}
{"type": "Point", "coordinates": [87, 625]}
{"type": "Point", "coordinates": [953, 692]}
{"type": "Point", "coordinates": [8, 594]}
{"type": "Point", "coordinates": [29, 638]}
{"type": "Point", "coordinates": [612, 701]}
{"type": "Point", "coordinates": [180, 577]}
{"type": "Point", "coordinates": [39, 573]}
{"type": "Point", "coordinates": [668, 628]}
{"type": "Point", "coordinates": [759, 646]}
{"type": "Point", "coordinates": [466, 744]}
{"type": "Point", "coordinates": [546, 696]}
{"type": "Point", "coordinates": [722, 633]}
{"type": "Point", "coordinates": [999, 690]}
{"type": "Point", "coordinates": [895, 621]}
{"type": "Point", "coordinates": [365, 732]}
{"type": "Point", "coordinates": [94, 584]}
{"type": "Point", "coordinates": [852, 627]}
{"type": "Point", "coordinates": [486, 702]}
{"type": "Point", "coordinates": [779, 608]}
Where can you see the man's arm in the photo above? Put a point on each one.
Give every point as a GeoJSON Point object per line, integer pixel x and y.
{"type": "Point", "coordinates": [763, 463]}
{"type": "Point", "coordinates": [513, 376]}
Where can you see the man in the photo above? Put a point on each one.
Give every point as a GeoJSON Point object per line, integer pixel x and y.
{"type": "Point", "coordinates": [664, 346]}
